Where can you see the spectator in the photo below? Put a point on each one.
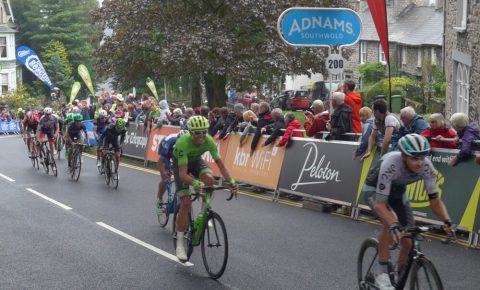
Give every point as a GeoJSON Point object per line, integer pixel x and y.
{"type": "Point", "coordinates": [366, 117]}
{"type": "Point", "coordinates": [220, 116]}
{"type": "Point", "coordinates": [213, 117]}
{"type": "Point", "coordinates": [293, 129]}
{"type": "Point", "coordinates": [315, 123]}
{"type": "Point", "coordinates": [438, 135]}
{"type": "Point", "coordinates": [354, 100]}
{"type": "Point", "coordinates": [341, 121]}
{"type": "Point", "coordinates": [264, 119]}
{"type": "Point", "coordinates": [411, 123]}
{"type": "Point", "coordinates": [233, 120]}
{"type": "Point", "coordinates": [176, 118]}
{"type": "Point", "coordinates": [466, 131]}
{"type": "Point", "coordinates": [385, 125]}
{"type": "Point", "coordinates": [274, 129]}
{"type": "Point", "coordinates": [204, 111]}
{"type": "Point", "coordinates": [164, 112]}
{"type": "Point", "coordinates": [250, 120]}
{"type": "Point", "coordinates": [255, 107]}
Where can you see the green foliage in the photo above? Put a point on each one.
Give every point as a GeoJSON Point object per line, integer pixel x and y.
{"type": "Point", "coordinates": [20, 98]}
{"type": "Point", "coordinates": [399, 87]}
{"type": "Point", "coordinates": [58, 73]}
{"type": "Point", "coordinates": [372, 72]}
{"type": "Point", "coordinates": [433, 80]}
{"type": "Point", "coordinates": [56, 48]}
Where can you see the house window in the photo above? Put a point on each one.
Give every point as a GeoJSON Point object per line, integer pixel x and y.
{"type": "Point", "coordinates": [381, 54]}
{"type": "Point", "coordinates": [461, 23]}
{"type": "Point", "coordinates": [419, 57]}
{"type": "Point", "coordinates": [434, 56]}
{"type": "Point", "coordinates": [4, 83]}
{"type": "Point", "coordinates": [404, 55]}
{"type": "Point", "coordinates": [462, 86]}
{"type": "Point", "coordinates": [3, 47]}
{"type": "Point", "coordinates": [363, 52]}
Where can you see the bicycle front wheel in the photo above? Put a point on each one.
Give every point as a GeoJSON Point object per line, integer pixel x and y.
{"type": "Point", "coordinates": [52, 164]}
{"type": "Point", "coordinates": [367, 259]}
{"type": "Point", "coordinates": [214, 246]}
{"type": "Point", "coordinates": [106, 170]}
{"type": "Point", "coordinates": [425, 276]}
{"type": "Point", "coordinates": [77, 165]}
{"type": "Point", "coordinates": [162, 211]}
{"type": "Point", "coordinates": [114, 172]}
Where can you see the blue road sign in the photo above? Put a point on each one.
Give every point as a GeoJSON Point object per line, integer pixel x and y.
{"type": "Point", "coordinates": [304, 26]}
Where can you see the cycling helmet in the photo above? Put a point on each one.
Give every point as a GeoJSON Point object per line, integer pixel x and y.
{"type": "Point", "coordinates": [102, 113]}
{"type": "Point", "coordinates": [120, 123]}
{"type": "Point", "coordinates": [197, 123]}
{"type": "Point", "coordinates": [78, 117]}
{"type": "Point", "coordinates": [414, 145]}
{"type": "Point", "coordinates": [20, 110]}
{"type": "Point", "coordinates": [47, 110]}
{"type": "Point", "coordinates": [69, 117]}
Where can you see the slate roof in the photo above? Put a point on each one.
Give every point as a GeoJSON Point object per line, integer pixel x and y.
{"type": "Point", "coordinates": [418, 26]}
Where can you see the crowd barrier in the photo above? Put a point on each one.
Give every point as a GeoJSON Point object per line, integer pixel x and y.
{"type": "Point", "coordinates": [325, 171]}
{"type": "Point", "coordinates": [9, 127]}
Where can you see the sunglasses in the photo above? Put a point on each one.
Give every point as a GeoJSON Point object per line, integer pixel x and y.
{"type": "Point", "coordinates": [200, 132]}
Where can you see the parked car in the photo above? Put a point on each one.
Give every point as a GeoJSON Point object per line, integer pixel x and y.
{"type": "Point", "coordinates": [298, 100]}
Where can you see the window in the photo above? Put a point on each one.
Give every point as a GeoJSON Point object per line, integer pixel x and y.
{"type": "Point", "coordinates": [404, 55]}
{"type": "Point", "coordinates": [461, 23]}
{"type": "Point", "coordinates": [363, 52]}
{"type": "Point", "coordinates": [434, 56]}
{"type": "Point", "coordinates": [4, 83]}
{"type": "Point", "coordinates": [462, 87]}
{"type": "Point", "coordinates": [3, 47]}
{"type": "Point", "coordinates": [381, 54]}
{"type": "Point", "coordinates": [419, 57]}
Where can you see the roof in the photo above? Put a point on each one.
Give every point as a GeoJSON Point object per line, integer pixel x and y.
{"type": "Point", "coordinates": [418, 26]}
{"type": "Point", "coordinates": [5, 28]}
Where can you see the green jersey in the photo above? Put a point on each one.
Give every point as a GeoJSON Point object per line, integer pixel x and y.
{"type": "Point", "coordinates": [185, 151]}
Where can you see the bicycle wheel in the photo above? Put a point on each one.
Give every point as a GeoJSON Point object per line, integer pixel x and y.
{"type": "Point", "coordinates": [52, 164]}
{"type": "Point", "coordinates": [424, 276]}
{"type": "Point", "coordinates": [106, 168]}
{"type": "Point", "coordinates": [214, 245]}
{"type": "Point", "coordinates": [59, 146]}
{"type": "Point", "coordinates": [367, 259]}
{"type": "Point", "coordinates": [187, 235]}
{"type": "Point", "coordinates": [44, 158]}
{"type": "Point", "coordinates": [162, 213]}
{"type": "Point", "coordinates": [77, 165]}
{"type": "Point", "coordinates": [114, 173]}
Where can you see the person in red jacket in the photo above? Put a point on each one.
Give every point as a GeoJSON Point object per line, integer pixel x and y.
{"type": "Point", "coordinates": [315, 123]}
{"type": "Point", "coordinates": [293, 129]}
{"type": "Point", "coordinates": [354, 100]}
{"type": "Point", "coordinates": [438, 135]}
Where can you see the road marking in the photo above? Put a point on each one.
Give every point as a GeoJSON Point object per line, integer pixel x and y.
{"type": "Point", "coordinates": [7, 178]}
{"type": "Point", "coordinates": [49, 199]}
{"type": "Point", "coordinates": [9, 136]}
{"type": "Point", "coordinates": [143, 244]}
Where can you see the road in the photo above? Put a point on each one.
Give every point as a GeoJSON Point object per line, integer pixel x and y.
{"type": "Point", "coordinates": [44, 245]}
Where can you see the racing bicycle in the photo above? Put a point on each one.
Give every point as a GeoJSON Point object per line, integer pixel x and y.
{"type": "Point", "coordinates": [168, 204]}
{"type": "Point", "coordinates": [47, 159]}
{"type": "Point", "coordinates": [60, 143]}
{"type": "Point", "coordinates": [76, 162]}
{"type": "Point", "coordinates": [109, 167]}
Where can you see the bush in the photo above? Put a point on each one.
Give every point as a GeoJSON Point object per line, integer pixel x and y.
{"type": "Point", "coordinates": [399, 87]}
{"type": "Point", "coordinates": [372, 72]}
{"type": "Point", "coordinates": [19, 98]}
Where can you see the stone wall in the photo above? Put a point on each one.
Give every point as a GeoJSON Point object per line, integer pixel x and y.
{"type": "Point", "coordinates": [466, 42]}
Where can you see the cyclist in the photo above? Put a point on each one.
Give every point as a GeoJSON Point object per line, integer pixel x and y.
{"type": "Point", "coordinates": [101, 123]}
{"type": "Point", "coordinates": [110, 137]}
{"type": "Point", "coordinates": [30, 124]}
{"type": "Point", "coordinates": [165, 151]}
{"type": "Point", "coordinates": [20, 116]}
{"type": "Point", "coordinates": [384, 191]}
{"type": "Point", "coordinates": [187, 160]}
{"type": "Point", "coordinates": [48, 126]}
{"type": "Point", "coordinates": [74, 130]}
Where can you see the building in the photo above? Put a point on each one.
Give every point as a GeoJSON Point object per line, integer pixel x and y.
{"type": "Point", "coordinates": [9, 70]}
{"type": "Point", "coordinates": [462, 66]}
{"type": "Point", "coordinates": [415, 36]}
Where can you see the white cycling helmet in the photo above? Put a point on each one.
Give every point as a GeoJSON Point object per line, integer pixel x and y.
{"type": "Point", "coordinates": [47, 110]}
{"type": "Point", "coordinates": [102, 113]}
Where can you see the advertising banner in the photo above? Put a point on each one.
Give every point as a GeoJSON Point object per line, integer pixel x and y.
{"type": "Point", "coordinates": [85, 75]}
{"type": "Point", "coordinates": [458, 187]}
{"type": "Point", "coordinates": [75, 89]}
{"type": "Point", "coordinates": [151, 86]}
{"type": "Point", "coordinates": [222, 146]}
{"type": "Point", "coordinates": [156, 136]}
{"type": "Point", "coordinates": [261, 169]}
{"type": "Point", "coordinates": [135, 142]}
{"type": "Point", "coordinates": [30, 60]}
{"type": "Point", "coordinates": [91, 138]}
{"type": "Point", "coordinates": [9, 127]}
{"type": "Point", "coordinates": [321, 169]}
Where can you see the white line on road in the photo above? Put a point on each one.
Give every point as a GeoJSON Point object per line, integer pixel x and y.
{"type": "Point", "coordinates": [7, 178]}
{"type": "Point", "coordinates": [49, 199]}
{"type": "Point", "coordinates": [143, 244]}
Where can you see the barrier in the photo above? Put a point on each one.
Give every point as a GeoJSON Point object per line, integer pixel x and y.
{"type": "Point", "coordinates": [321, 170]}
{"type": "Point", "coordinates": [136, 141]}
{"type": "Point", "coordinates": [9, 127]}
{"type": "Point", "coordinates": [261, 169]}
{"type": "Point", "coordinates": [91, 138]}
{"type": "Point", "coordinates": [155, 137]}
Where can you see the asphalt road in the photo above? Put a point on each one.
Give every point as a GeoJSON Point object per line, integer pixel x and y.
{"type": "Point", "coordinates": [272, 245]}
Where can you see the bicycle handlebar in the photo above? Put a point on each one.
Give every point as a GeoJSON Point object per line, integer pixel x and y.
{"type": "Point", "coordinates": [412, 232]}
{"type": "Point", "coordinates": [211, 189]}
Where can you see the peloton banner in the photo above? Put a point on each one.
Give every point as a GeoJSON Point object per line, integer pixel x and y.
{"type": "Point", "coordinates": [262, 168]}
{"type": "Point", "coordinates": [321, 169]}
{"type": "Point", "coordinates": [136, 141]}
{"type": "Point", "coordinates": [29, 58]}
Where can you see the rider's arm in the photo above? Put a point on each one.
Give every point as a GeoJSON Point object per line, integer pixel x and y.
{"type": "Point", "coordinates": [439, 209]}
{"type": "Point", "coordinates": [184, 176]}
{"type": "Point", "coordinates": [122, 136]}
{"type": "Point", "coordinates": [223, 170]}
{"type": "Point", "coordinates": [386, 216]}
{"type": "Point", "coordinates": [386, 140]}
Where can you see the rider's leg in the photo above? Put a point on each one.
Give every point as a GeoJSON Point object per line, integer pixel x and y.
{"type": "Point", "coordinates": [70, 153]}
{"type": "Point", "coordinates": [117, 158]}
{"type": "Point", "coordinates": [164, 176]}
{"type": "Point", "coordinates": [182, 220]}
{"type": "Point", "coordinates": [406, 219]}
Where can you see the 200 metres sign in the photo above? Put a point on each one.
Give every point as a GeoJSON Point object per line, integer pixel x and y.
{"type": "Point", "coordinates": [304, 26]}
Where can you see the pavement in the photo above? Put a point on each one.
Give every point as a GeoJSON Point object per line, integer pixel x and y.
{"type": "Point", "coordinates": [56, 233]}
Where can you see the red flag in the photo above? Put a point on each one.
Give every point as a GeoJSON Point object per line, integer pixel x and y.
{"type": "Point", "coordinates": [378, 9]}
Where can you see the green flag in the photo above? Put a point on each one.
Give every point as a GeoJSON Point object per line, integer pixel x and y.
{"type": "Point", "coordinates": [85, 75]}
{"type": "Point", "coordinates": [75, 88]}
{"type": "Point", "coordinates": [151, 86]}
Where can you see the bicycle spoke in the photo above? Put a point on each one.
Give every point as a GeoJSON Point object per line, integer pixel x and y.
{"type": "Point", "coordinates": [214, 246]}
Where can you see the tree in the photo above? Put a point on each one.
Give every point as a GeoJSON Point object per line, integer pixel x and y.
{"type": "Point", "coordinates": [58, 72]}
{"type": "Point", "coordinates": [217, 40]}
{"type": "Point", "coordinates": [57, 48]}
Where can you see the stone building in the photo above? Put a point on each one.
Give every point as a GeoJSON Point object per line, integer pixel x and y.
{"type": "Point", "coordinates": [462, 65]}
{"type": "Point", "coordinates": [415, 36]}
{"type": "Point", "coordinates": [9, 70]}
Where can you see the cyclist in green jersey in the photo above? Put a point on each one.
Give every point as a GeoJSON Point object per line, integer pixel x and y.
{"type": "Point", "coordinates": [188, 162]}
